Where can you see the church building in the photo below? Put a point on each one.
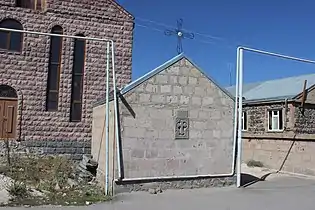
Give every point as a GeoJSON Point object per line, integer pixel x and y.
{"type": "Point", "coordinates": [48, 83]}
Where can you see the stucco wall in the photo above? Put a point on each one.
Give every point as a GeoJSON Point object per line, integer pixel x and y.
{"type": "Point", "coordinates": [148, 144]}
{"type": "Point", "coordinates": [51, 132]}
{"type": "Point", "coordinates": [99, 143]}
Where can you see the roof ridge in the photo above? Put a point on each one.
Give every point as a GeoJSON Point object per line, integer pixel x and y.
{"type": "Point", "coordinates": [284, 78]}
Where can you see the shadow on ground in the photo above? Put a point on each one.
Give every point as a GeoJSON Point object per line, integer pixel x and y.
{"type": "Point", "coordinates": [248, 179]}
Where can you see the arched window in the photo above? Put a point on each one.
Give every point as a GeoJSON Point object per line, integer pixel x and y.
{"type": "Point", "coordinates": [11, 41]}
{"type": "Point", "coordinates": [54, 69]}
{"type": "Point", "coordinates": [31, 4]}
{"type": "Point", "coordinates": [77, 79]}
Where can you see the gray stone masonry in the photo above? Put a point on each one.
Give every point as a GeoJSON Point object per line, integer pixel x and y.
{"type": "Point", "coordinates": [293, 148]}
{"type": "Point", "coordinates": [52, 132]}
{"type": "Point", "coordinates": [182, 184]}
{"type": "Point", "coordinates": [296, 120]}
{"type": "Point", "coordinates": [148, 142]}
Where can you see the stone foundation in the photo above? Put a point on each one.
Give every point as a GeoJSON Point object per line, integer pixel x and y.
{"type": "Point", "coordinates": [70, 148]}
{"type": "Point", "coordinates": [178, 184]}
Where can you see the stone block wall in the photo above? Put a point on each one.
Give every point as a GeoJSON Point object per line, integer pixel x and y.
{"type": "Point", "coordinates": [148, 144]}
{"type": "Point", "coordinates": [257, 116]}
{"type": "Point", "coordinates": [272, 153]}
{"type": "Point", "coordinates": [52, 132]}
{"type": "Point", "coordinates": [304, 122]}
{"type": "Point", "coordinates": [297, 141]}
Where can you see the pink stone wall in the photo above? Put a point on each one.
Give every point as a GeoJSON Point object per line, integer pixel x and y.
{"type": "Point", "coordinates": [52, 132]}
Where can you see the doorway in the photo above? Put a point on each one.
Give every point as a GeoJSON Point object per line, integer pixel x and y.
{"type": "Point", "coordinates": [8, 112]}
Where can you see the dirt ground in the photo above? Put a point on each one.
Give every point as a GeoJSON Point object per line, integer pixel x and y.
{"type": "Point", "coordinates": [277, 192]}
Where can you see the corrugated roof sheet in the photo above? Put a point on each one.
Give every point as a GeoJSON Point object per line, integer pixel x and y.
{"type": "Point", "coordinates": [275, 89]}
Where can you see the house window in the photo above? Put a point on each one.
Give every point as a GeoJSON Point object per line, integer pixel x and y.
{"type": "Point", "coordinates": [31, 4]}
{"type": "Point", "coordinates": [77, 80]}
{"type": "Point", "coordinates": [275, 120]}
{"type": "Point", "coordinates": [11, 41]}
{"type": "Point", "coordinates": [54, 70]}
{"type": "Point", "coordinates": [244, 121]}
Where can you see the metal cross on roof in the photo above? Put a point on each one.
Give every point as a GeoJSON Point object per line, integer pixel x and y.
{"type": "Point", "coordinates": [180, 35]}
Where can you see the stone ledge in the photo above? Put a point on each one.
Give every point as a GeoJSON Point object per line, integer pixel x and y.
{"type": "Point", "coordinates": [73, 149]}
{"type": "Point", "coordinates": [176, 184]}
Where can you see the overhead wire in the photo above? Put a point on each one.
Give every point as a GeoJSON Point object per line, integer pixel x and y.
{"type": "Point", "coordinates": [162, 31]}
{"type": "Point", "coordinates": [215, 40]}
{"type": "Point", "coordinates": [169, 26]}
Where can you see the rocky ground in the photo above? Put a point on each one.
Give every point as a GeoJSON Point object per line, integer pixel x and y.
{"type": "Point", "coordinates": [32, 180]}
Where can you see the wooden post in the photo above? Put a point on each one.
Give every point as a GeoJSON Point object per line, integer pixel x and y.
{"type": "Point", "coordinates": [303, 96]}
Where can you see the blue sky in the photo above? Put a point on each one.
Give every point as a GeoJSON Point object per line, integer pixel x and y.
{"type": "Point", "coordinates": [281, 26]}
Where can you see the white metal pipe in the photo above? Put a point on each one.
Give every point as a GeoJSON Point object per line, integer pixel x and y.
{"type": "Point", "coordinates": [237, 121]}
{"type": "Point", "coordinates": [107, 124]}
{"type": "Point", "coordinates": [116, 114]}
{"type": "Point", "coordinates": [238, 175]}
{"type": "Point", "coordinates": [277, 55]}
{"type": "Point", "coordinates": [174, 177]}
{"type": "Point", "coordinates": [107, 84]}
{"type": "Point", "coordinates": [207, 175]}
{"type": "Point", "coordinates": [240, 111]}
{"type": "Point", "coordinates": [57, 35]}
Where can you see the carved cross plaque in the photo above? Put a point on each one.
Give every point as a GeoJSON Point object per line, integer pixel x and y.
{"type": "Point", "coordinates": [182, 125]}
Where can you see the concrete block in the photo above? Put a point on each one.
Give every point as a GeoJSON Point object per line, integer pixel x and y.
{"type": "Point", "coordinates": [196, 100]}
{"type": "Point", "coordinates": [192, 81]}
{"type": "Point", "coordinates": [206, 101]}
{"type": "Point", "coordinates": [166, 88]}
{"type": "Point", "coordinates": [166, 134]}
{"type": "Point", "coordinates": [177, 90]}
{"type": "Point", "coordinates": [198, 125]}
{"type": "Point", "coordinates": [172, 99]}
{"type": "Point", "coordinates": [151, 153]}
{"type": "Point", "coordinates": [173, 80]}
{"type": "Point", "coordinates": [158, 123]}
{"type": "Point", "coordinates": [183, 80]}
{"type": "Point", "coordinates": [193, 114]}
{"type": "Point", "coordinates": [174, 70]}
{"type": "Point", "coordinates": [151, 134]}
{"type": "Point", "coordinates": [199, 91]}
{"type": "Point", "coordinates": [217, 134]}
{"type": "Point", "coordinates": [172, 164]}
{"type": "Point", "coordinates": [137, 153]}
{"type": "Point", "coordinates": [160, 113]}
{"type": "Point", "coordinates": [158, 98]}
{"type": "Point", "coordinates": [161, 79]}
{"type": "Point", "coordinates": [151, 88]}
{"type": "Point", "coordinates": [184, 100]}
{"type": "Point", "coordinates": [194, 134]}
{"type": "Point", "coordinates": [204, 82]}
{"type": "Point", "coordinates": [144, 97]}
{"type": "Point", "coordinates": [134, 132]}
{"type": "Point", "coordinates": [204, 115]}
{"type": "Point", "coordinates": [188, 90]}
{"type": "Point", "coordinates": [215, 114]}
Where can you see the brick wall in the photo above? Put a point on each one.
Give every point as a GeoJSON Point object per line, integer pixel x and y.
{"type": "Point", "coordinates": [51, 132]}
{"type": "Point", "coordinates": [149, 147]}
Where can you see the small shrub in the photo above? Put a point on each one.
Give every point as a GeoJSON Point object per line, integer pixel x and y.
{"type": "Point", "coordinates": [255, 163]}
{"type": "Point", "coordinates": [18, 189]}
{"type": "Point", "coordinates": [49, 176]}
